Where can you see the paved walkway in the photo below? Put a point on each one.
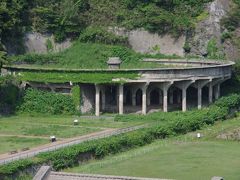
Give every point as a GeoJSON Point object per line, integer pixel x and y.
{"type": "Point", "coordinates": [7, 158]}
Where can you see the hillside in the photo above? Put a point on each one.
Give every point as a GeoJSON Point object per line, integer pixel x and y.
{"type": "Point", "coordinates": [206, 28]}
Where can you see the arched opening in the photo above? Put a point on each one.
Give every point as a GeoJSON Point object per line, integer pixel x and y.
{"type": "Point", "coordinates": [128, 99]}
{"type": "Point", "coordinates": [154, 97]}
{"type": "Point", "coordinates": [139, 97]}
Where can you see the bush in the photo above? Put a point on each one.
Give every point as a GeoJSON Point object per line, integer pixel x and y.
{"type": "Point", "coordinates": [76, 93]}
{"type": "Point", "coordinates": [34, 59]}
{"type": "Point", "coordinates": [36, 101]}
{"type": "Point", "coordinates": [100, 35]}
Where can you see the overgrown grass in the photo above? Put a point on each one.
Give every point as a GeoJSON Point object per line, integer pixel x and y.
{"type": "Point", "coordinates": [90, 56]}
{"type": "Point", "coordinates": [78, 77]}
{"type": "Point", "coordinates": [18, 143]}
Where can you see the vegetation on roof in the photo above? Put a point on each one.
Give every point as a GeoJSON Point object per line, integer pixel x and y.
{"type": "Point", "coordinates": [89, 56]}
{"type": "Point", "coordinates": [78, 77]}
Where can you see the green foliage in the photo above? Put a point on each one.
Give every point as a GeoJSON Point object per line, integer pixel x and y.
{"type": "Point", "coordinates": [36, 101]}
{"type": "Point", "coordinates": [94, 34]}
{"type": "Point", "coordinates": [90, 56]}
{"type": "Point", "coordinates": [232, 21]}
{"type": "Point", "coordinates": [187, 47]}
{"type": "Point", "coordinates": [76, 77]}
{"type": "Point", "coordinates": [49, 45]}
{"type": "Point", "coordinates": [213, 50]}
{"type": "Point", "coordinates": [9, 94]}
{"type": "Point", "coordinates": [76, 95]}
{"type": "Point", "coordinates": [3, 58]}
{"type": "Point", "coordinates": [174, 124]}
{"type": "Point", "coordinates": [69, 18]}
{"type": "Point", "coordinates": [226, 35]}
{"type": "Point", "coordinates": [34, 59]}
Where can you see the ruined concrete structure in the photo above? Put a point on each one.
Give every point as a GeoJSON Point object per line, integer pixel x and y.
{"type": "Point", "coordinates": [186, 85]}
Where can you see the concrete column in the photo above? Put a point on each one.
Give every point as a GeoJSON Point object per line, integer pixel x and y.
{"type": "Point", "coordinates": [120, 90]}
{"type": "Point", "coordinates": [97, 100]}
{"type": "Point", "coordinates": [144, 101]}
{"type": "Point", "coordinates": [171, 97]}
{"type": "Point", "coordinates": [217, 91]}
{"type": "Point", "coordinates": [199, 97]}
{"type": "Point", "coordinates": [184, 99]}
{"type": "Point", "coordinates": [184, 86]}
{"type": "Point", "coordinates": [210, 93]}
{"type": "Point", "coordinates": [165, 99]}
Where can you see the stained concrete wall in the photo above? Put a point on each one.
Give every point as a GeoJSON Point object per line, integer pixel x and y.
{"type": "Point", "coordinates": [37, 43]}
{"type": "Point", "coordinates": [145, 42]}
{"type": "Point", "coordinates": [87, 98]}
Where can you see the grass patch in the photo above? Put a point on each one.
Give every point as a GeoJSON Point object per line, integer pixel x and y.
{"type": "Point", "coordinates": [89, 56]}
{"type": "Point", "coordinates": [17, 143]}
{"type": "Point", "coordinates": [78, 77]}
{"type": "Point", "coordinates": [182, 157]}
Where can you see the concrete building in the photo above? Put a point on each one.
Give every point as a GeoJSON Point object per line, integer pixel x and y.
{"type": "Point", "coordinates": [186, 84]}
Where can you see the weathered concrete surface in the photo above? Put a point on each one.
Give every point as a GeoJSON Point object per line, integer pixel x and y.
{"type": "Point", "coordinates": [74, 176]}
{"type": "Point", "coordinates": [87, 98]}
{"type": "Point", "coordinates": [145, 42]}
{"type": "Point", "coordinates": [37, 43]}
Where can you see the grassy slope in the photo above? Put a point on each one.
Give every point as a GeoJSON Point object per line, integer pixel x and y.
{"type": "Point", "coordinates": [93, 56]}
{"type": "Point", "coordinates": [183, 157]}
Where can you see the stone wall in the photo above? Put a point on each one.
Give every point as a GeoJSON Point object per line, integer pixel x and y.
{"type": "Point", "coordinates": [145, 42]}
{"type": "Point", "coordinates": [87, 98]}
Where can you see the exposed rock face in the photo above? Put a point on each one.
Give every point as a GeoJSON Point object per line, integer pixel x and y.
{"type": "Point", "coordinates": [145, 42]}
{"type": "Point", "coordinates": [232, 47]}
{"type": "Point", "coordinates": [210, 27]}
{"type": "Point", "coordinates": [37, 43]}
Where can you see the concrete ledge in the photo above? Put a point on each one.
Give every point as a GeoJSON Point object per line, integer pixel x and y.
{"type": "Point", "coordinates": [63, 176]}
{"type": "Point", "coordinates": [42, 173]}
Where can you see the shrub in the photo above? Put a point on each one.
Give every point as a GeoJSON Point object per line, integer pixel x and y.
{"type": "Point", "coordinates": [76, 97]}
{"type": "Point", "coordinates": [100, 35]}
{"type": "Point", "coordinates": [36, 101]}
{"type": "Point", "coordinates": [34, 59]}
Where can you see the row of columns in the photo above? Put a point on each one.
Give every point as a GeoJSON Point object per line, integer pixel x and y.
{"type": "Point", "coordinates": [164, 87]}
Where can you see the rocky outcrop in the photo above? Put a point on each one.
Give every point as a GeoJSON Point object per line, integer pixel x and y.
{"type": "Point", "coordinates": [209, 28]}
{"type": "Point", "coordinates": [232, 46]}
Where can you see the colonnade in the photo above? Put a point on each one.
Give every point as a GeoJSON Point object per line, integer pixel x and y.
{"type": "Point", "coordinates": [165, 93]}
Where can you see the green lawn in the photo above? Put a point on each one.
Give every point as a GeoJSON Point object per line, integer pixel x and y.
{"type": "Point", "coordinates": [18, 143]}
{"type": "Point", "coordinates": [183, 157]}
{"type": "Point", "coordinates": [27, 131]}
